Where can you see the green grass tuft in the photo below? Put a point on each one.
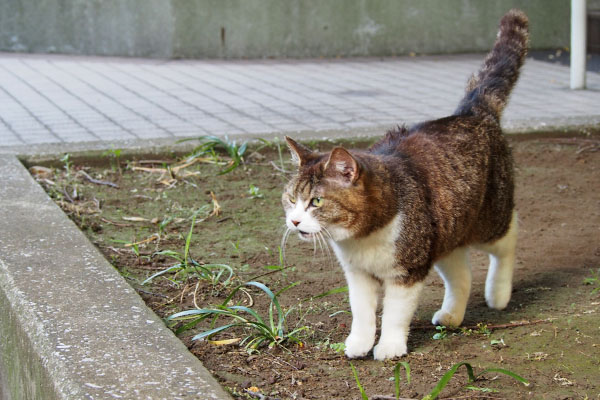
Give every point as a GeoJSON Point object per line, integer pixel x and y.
{"type": "Point", "coordinates": [269, 330]}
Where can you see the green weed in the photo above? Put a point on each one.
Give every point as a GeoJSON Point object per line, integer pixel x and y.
{"type": "Point", "coordinates": [134, 246]}
{"type": "Point", "coordinates": [465, 331]}
{"type": "Point", "coordinates": [338, 347]}
{"type": "Point", "coordinates": [254, 192]}
{"type": "Point", "coordinates": [472, 378]}
{"type": "Point", "coordinates": [186, 264]}
{"type": "Point", "coordinates": [341, 289]}
{"type": "Point", "coordinates": [162, 225]}
{"type": "Point", "coordinates": [593, 280]}
{"type": "Point", "coordinates": [67, 164]}
{"type": "Point", "coordinates": [276, 143]}
{"type": "Point", "coordinates": [482, 329]}
{"type": "Point", "coordinates": [236, 246]}
{"type": "Point", "coordinates": [441, 333]}
{"type": "Point", "coordinates": [396, 378]}
{"type": "Point", "coordinates": [444, 380]}
{"type": "Point", "coordinates": [281, 265]}
{"type": "Point", "coordinates": [363, 394]}
{"type": "Point", "coordinates": [209, 145]}
{"type": "Point", "coordinates": [114, 155]}
{"type": "Point", "coordinates": [270, 330]}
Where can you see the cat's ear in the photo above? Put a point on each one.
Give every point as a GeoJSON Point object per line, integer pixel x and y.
{"type": "Point", "coordinates": [341, 166]}
{"type": "Point", "coordinates": [299, 152]}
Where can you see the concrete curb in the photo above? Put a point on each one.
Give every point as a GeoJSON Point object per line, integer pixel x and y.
{"type": "Point", "coordinates": [71, 327]}
{"type": "Point", "coordinates": [50, 151]}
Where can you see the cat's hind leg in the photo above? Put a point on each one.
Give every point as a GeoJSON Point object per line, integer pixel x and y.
{"type": "Point", "coordinates": [363, 291]}
{"type": "Point", "coordinates": [456, 273]}
{"type": "Point", "coordinates": [399, 305]}
{"type": "Point", "coordinates": [498, 284]}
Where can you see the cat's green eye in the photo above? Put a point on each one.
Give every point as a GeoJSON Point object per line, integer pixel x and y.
{"type": "Point", "coordinates": [316, 202]}
{"type": "Point", "coordinates": [292, 200]}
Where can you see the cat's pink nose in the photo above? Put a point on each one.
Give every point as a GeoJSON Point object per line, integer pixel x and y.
{"type": "Point", "coordinates": [295, 222]}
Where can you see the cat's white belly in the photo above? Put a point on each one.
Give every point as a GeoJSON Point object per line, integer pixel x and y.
{"type": "Point", "coordinates": [374, 254]}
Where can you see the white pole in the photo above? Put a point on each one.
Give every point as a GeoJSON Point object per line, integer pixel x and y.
{"type": "Point", "coordinates": [578, 43]}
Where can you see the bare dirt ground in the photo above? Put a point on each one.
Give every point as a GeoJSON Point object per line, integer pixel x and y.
{"type": "Point", "coordinates": [549, 334]}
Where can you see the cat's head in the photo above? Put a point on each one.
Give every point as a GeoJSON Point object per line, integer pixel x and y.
{"type": "Point", "coordinates": [327, 196]}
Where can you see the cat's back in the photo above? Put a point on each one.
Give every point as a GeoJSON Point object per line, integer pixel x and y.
{"type": "Point", "coordinates": [458, 134]}
{"type": "Point", "coordinates": [459, 160]}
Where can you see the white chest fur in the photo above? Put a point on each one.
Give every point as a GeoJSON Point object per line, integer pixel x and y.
{"type": "Point", "coordinates": [374, 254]}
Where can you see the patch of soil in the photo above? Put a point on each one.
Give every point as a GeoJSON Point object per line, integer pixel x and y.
{"type": "Point", "coordinates": [549, 334]}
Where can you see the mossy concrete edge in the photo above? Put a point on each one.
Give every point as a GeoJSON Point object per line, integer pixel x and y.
{"type": "Point", "coordinates": [71, 326]}
{"type": "Point", "coordinates": [512, 127]}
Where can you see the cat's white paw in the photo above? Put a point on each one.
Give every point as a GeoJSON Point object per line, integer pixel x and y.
{"type": "Point", "coordinates": [445, 318]}
{"type": "Point", "coordinates": [498, 296]}
{"type": "Point", "coordinates": [389, 349]}
{"type": "Point", "coordinates": [358, 346]}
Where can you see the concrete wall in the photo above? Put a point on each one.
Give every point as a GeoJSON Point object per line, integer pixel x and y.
{"type": "Point", "coordinates": [142, 28]}
{"type": "Point", "coordinates": [330, 28]}
{"type": "Point", "coordinates": [269, 28]}
{"type": "Point", "coordinates": [22, 374]}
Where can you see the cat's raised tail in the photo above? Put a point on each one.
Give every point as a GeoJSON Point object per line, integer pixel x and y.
{"type": "Point", "coordinates": [488, 90]}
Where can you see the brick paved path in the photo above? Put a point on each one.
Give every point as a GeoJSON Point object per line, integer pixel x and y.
{"type": "Point", "coordinates": [62, 99]}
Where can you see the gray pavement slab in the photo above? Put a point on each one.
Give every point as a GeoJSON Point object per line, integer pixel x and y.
{"type": "Point", "coordinates": [64, 99]}
{"type": "Point", "coordinates": [71, 326]}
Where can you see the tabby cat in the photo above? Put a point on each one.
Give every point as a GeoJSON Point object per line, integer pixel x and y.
{"type": "Point", "coordinates": [418, 197]}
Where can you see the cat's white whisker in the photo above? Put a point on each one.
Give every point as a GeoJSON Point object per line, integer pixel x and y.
{"type": "Point", "coordinates": [328, 233]}
{"type": "Point", "coordinates": [327, 247]}
{"type": "Point", "coordinates": [319, 236]}
{"type": "Point", "coordinates": [284, 239]}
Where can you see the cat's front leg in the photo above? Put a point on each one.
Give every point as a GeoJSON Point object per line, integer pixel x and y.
{"type": "Point", "coordinates": [363, 291]}
{"type": "Point", "coordinates": [399, 305]}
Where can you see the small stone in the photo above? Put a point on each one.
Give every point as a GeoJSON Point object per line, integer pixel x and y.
{"type": "Point", "coordinates": [41, 172]}
{"type": "Point", "coordinates": [96, 227]}
{"type": "Point", "coordinates": [255, 156]}
{"type": "Point", "coordinates": [251, 358]}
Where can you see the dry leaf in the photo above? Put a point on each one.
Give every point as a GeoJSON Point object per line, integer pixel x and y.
{"type": "Point", "coordinates": [135, 219]}
{"type": "Point", "coordinates": [225, 341]}
{"type": "Point", "coordinates": [88, 207]}
{"type": "Point", "coordinates": [216, 207]}
{"type": "Point", "coordinates": [41, 172]}
{"type": "Point", "coordinates": [147, 240]}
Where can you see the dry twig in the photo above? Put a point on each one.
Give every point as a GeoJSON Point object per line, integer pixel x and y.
{"type": "Point", "coordinates": [166, 162]}
{"type": "Point", "coordinates": [152, 293]}
{"type": "Point", "coordinates": [97, 181]}
{"type": "Point", "coordinates": [195, 293]}
{"type": "Point", "coordinates": [67, 196]}
{"type": "Point", "coordinates": [216, 207]}
{"type": "Point", "coordinates": [259, 395]}
{"type": "Point", "coordinates": [147, 240]}
{"type": "Point", "coordinates": [500, 326]}
{"type": "Point", "coordinates": [185, 288]}
{"type": "Point", "coordinates": [115, 223]}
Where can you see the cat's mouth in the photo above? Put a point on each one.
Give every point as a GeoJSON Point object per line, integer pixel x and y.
{"type": "Point", "coordinates": [305, 235]}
